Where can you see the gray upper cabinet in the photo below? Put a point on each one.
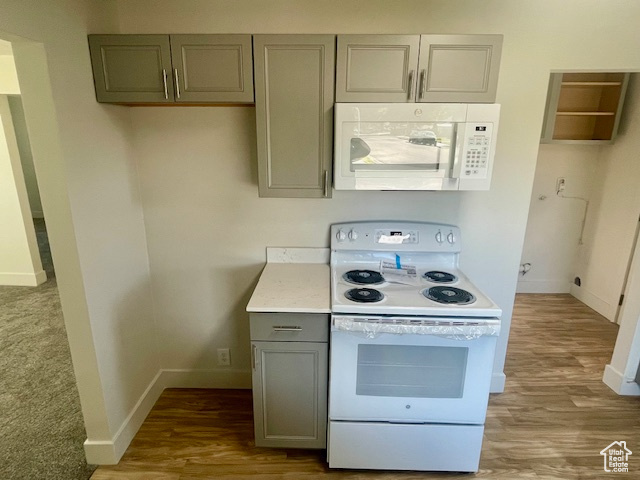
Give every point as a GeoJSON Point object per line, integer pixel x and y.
{"type": "Point", "coordinates": [418, 68]}
{"type": "Point", "coordinates": [584, 107]}
{"type": "Point", "coordinates": [176, 68]}
{"type": "Point", "coordinates": [132, 68]}
{"type": "Point", "coordinates": [459, 68]}
{"type": "Point", "coordinates": [294, 77]}
{"type": "Point", "coordinates": [212, 68]}
{"type": "Point", "coordinates": [376, 68]}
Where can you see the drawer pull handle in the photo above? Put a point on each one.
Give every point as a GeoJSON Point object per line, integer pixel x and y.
{"type": "Point", "coordinates": [283, 328]}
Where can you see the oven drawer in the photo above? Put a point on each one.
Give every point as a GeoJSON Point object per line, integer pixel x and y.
{"type": "Point", "coordinates": [366, 445]}
{"type": "Point", "coordinates": [290, 327]}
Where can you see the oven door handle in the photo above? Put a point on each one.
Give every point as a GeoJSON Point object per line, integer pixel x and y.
{"type": "Point", "coordinates": [458, 329]}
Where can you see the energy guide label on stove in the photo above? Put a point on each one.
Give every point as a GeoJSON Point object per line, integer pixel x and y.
{"type": "Point", "coordinates": [399, 274]}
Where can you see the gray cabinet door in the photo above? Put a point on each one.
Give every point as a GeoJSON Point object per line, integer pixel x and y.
{"type": "Point", "coordinates": [132, 68]}
{"type": "Point", "coordinates": [212, 68]}
{"type": "Point", "coordinates": [294, 80]}
{"type": "Point", "coordinates": [290, 394]}
{"type": "Point", "coordinates": [377, 68]}
{"type": "Point", "coordinates": [459, 68]}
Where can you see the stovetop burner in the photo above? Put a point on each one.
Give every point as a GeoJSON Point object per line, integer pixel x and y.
{"type": "Point", "coordinates": [364, 295]}
{"type": "Point", "coordinates": [449, 295]}
{"type": "Point", "coordinates": [363, 277]}
{"type": "Point", "coordinates": [436, 276]}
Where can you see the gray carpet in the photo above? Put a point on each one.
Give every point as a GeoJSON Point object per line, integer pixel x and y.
{"type": "Point", "coordinates": [41, 426]}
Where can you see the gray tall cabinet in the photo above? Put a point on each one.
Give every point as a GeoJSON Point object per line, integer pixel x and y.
{"type": "Point", "coordinates": [418, 68]}
{"type": "Point", "coordinates": [294, 87]}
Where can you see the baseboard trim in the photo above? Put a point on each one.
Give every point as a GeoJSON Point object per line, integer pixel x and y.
{"type": "Point", "coordinates": [23, 279]}
{"type": "Point", "coordinates": [109, 452]}
{"type": "Point", "coordinates": [543, 286]}
{"type": "Point", "coordinates": [605, 309]}
{"type": "Point", "coordinates": [498, 382]}
{"type": "Point", "coordinates": [215, 378]}
{"type": "Point", "coordinates": [616, 382]}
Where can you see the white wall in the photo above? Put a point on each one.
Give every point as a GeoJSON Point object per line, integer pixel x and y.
{"type": "Point", "coordinates": [555, 223]}
{"type": "Point", "coordinates": [613, 215]}
{"type": "Point", "coordinates": [19, 257]}
{"type": "Point", "coordinates": [8, 76]}
{"type": "Point", "coordinates": [90, 197]}
{"type": "Point", "coordinates": [620, 374]}
{"type": "Point", "coordinates": [207, 229]}
{"type": "Point", "coordinates": [26, 157]}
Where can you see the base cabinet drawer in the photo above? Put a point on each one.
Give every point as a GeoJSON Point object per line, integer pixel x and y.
{"type": "Point", "coordinates": [290, 394]}
{"type": "Point", "coordinates": [388, 446]}
{"type": "Point", "coordinates": [290, 327]}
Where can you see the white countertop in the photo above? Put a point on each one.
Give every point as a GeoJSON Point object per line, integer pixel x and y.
{"type": "Point", "coordinates": [291, 286]}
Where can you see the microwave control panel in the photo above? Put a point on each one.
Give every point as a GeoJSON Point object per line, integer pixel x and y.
{"type": "Point", "coordinates": [476, 150]}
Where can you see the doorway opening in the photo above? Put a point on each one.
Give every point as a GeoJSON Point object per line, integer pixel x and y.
{"type": "Point", "coordinates": [40, 400]}
{"type": "Point", "coordinates": [583, 218]}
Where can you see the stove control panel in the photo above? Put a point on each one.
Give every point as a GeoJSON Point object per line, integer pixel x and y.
{"type": "Point", "coordinates": [395, 236]}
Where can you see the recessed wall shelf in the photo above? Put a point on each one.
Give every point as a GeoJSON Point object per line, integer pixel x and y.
{"type": "Point", "coordinates": [584, 107]}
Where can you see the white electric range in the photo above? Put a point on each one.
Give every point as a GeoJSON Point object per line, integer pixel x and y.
{"type": "Point", "coordinates": [412, 347]}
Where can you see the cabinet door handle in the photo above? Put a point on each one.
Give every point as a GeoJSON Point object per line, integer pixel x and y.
{"type": "Point", "coordinates": [254, 355]}
{"type": "Point", "coordinates": [164, 81]}
{"type": "Point", "coordinates": [326, 183]}
{"type": "Point", "coordinates": [410, 86]}
{"type": "Point", "coordinates": [285, 328]}
{"type": "Point", "coordinates": [423, 84]}
{"type": "Point", "coordinates": [175, 74]}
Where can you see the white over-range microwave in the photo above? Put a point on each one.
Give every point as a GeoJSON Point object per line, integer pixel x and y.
{"type": "Point", "coordinates": [414, 146]}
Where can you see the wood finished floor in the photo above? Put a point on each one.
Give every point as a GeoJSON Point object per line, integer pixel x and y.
{"type": "Point", "coordinates": [550, 423]}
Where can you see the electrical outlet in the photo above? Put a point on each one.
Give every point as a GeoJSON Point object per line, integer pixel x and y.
{"type": "Point", "coordinates": [224, 358]}
{"type": "Point", "coordinates": [560, 184]}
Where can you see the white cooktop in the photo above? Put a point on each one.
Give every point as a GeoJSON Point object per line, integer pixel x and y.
{"type": "Point", "coordinates": [391, 247]}
{"type": "Point", "coordinates": [402, 299]}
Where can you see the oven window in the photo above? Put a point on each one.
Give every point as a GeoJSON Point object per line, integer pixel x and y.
{"type": "Point", "coordinates": [411, 371]}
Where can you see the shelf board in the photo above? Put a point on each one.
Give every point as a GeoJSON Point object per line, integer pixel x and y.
{"type": "Point", "coordinates": [591, 84]}
{"type": "Point", "coordinates": [587, 114]}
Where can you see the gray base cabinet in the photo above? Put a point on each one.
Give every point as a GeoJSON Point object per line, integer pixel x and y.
{"type": "Point", "coordinates": [418, 68]}
{"type": "Point", "coordinates": [290, 355]}
{"type": "Point", "coordinates": [294, 82]}
{"type": "Point", "coordinates": [172, 68]}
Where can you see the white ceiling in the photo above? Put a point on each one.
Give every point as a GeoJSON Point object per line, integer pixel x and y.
{"type": "Point", "coordinates": [5, 48]}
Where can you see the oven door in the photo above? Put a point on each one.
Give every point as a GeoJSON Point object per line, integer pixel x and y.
{"type": "Point", "coordinates": [410, 378]}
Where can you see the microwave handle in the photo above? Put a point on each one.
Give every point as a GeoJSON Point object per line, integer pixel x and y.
{"type": "Point", "coordinates": [458, 151]}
